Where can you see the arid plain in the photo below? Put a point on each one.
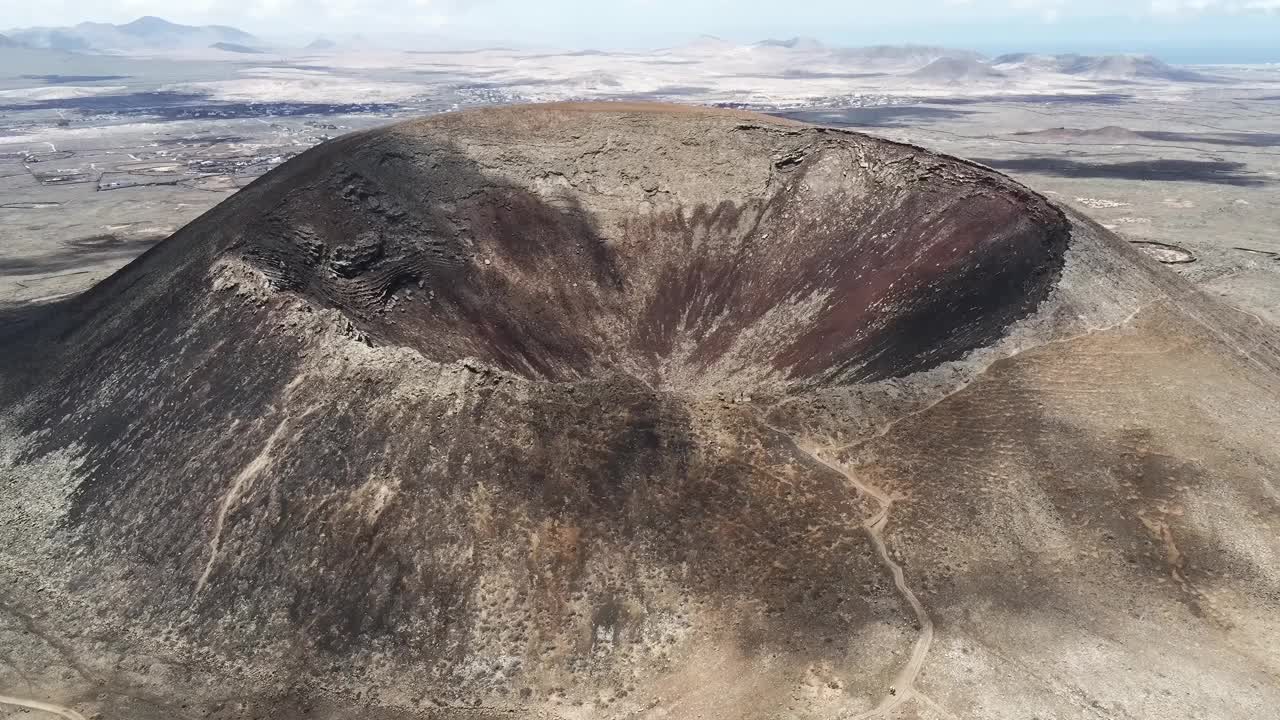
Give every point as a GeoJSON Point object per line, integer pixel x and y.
{"type": "Point", "coordinates": [101, 157]}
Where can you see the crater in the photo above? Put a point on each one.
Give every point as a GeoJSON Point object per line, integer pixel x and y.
{"type": "Point", "coordinates": [711, 253]}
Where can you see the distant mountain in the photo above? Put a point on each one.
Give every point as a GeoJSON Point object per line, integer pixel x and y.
{"type": "Point", "coordinates": [143, 34]}
{"type": "Point", "coordinates": [957, 70]}
{"type": "Point", "coordinates": [235, 48]}
{"type": "Point", "coordinates": [1026, 59]}
{"type": "Point", "coordinates": [321, 43]}
{"type": "Point", "coordinates": [707, 43]}
{"type": "Point", "coordinates": [1128, 67]}
{"type": "Point", "coordinates": [1100, 67]}
{"type": "Point", "coordinates": [905, 56]}
{"type": "Point", "coordinates": [50, 39]}
{"type": "Point", "coordinates": [6, 42]}
{"type": "Point", "coordinates": [900, 58]}
{"type": "Point", "coordinates": [795, 43]}
{"type": "Point", "coordinates": [1108, 134]}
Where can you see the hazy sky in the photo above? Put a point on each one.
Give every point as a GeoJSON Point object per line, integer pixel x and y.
{"type": "Point", "coordinates": [1229, 26]}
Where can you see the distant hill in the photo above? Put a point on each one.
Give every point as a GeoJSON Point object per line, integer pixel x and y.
{"type": "Point", "coordinates": [321, 44]}
{"type": "Point", "coordinates": [795, 43]}
{"type": "Point", "coordinates": [1128, 67]}
{"type": "Point", "coordinates": [1024, 59]}
{"type": "Point", "coordinates": [956, 70]}
{"type": "Point", "coordinates": [707, 43]}
{"type": "Point", "coordinates": [235, 48]}
{"type": "Point", "coordinates": [143, 34]}
{"type": "Point", "coordinates": [1101, 67]}
{"type": "Point", "coordinates": [899, 58]}
{"type": "Point", "coordinates": [50, 39]}
{"type": "Point", "coordinates": [6, 42]}
{"type": "Point", "coordinates": [903, 56]}
{"type": "Point", "coordinates": [1110, 133]}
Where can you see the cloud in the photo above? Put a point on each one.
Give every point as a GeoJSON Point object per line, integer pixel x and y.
{"type": "Point", "coordinates": [1194, 7]}
{"type": "Point", "coordinates": [663, 20]}
{"type": "Point", "coordinates": [287, 14]}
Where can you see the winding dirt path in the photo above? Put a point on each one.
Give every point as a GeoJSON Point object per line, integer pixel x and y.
{"type": "Point", "coordinates": [903, 688]}
{"type": "Point", "coordinates": [50, 708]}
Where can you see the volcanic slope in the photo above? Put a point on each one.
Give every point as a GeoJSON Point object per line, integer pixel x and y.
{"type": "Point", "coordinates": [639, 411]}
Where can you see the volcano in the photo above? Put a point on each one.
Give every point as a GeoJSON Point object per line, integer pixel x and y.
{"type": "Point", "coordinates": [638, 411]}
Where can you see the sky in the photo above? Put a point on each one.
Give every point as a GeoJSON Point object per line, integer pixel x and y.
{"type": "Point", "coordinates": [1179, 30]}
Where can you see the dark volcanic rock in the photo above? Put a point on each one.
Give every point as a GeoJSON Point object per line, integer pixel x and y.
{"type": "Point", "coordinates": [807, 277]}
{"type": "Point", "coordinates": [605, 411]}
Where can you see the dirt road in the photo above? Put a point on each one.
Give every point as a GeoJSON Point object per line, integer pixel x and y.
{"type": "Point", "coordinates": [50, 708]}
{"type": "Point", "coordinates": [903, 688]}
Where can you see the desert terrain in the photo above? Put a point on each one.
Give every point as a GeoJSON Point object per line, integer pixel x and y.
{"type": "Point", "coordinates": [725, 381]}
{"type": "Point", "coordinates": [100, 157]}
